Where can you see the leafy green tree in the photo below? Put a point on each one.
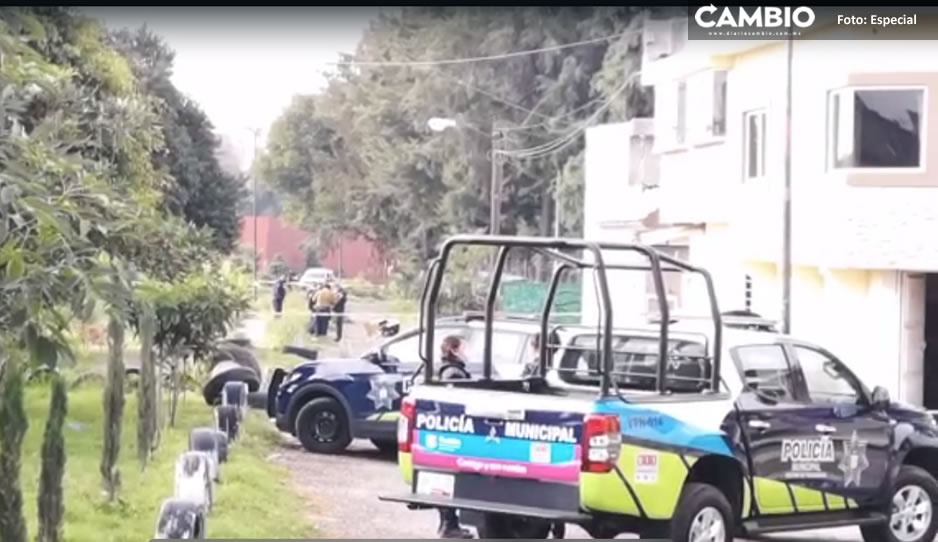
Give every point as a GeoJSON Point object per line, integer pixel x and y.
{"type": "Point", "coordinates": [13, 426]}
{"type": "Point", "coordinates": [113, 408]}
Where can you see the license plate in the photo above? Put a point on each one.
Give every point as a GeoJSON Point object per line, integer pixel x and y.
{"type": "Point", "coordinates": [435, 484]}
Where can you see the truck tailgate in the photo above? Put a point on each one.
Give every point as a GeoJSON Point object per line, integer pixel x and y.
{"type": "Point", "coordinates": [489, 446]}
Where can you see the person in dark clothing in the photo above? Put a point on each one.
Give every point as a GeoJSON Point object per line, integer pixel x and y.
{"type": "Point", "coordinates": [280, 294]}
{"type": "Point", "coordinates": [339, 310]}
{"type": "Point", "coordinates": [453, 365]}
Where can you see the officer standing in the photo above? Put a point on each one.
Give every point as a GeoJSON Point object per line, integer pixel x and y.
{"type": "Point", "coordinates": [339, 310]}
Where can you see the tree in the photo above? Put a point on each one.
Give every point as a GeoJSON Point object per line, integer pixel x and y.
{"type": "Point", "coordinates": [113, 408]}
{"type": "Point", "coordinates": [359, 158]}
{"type": "Point", "coordinates": [51, 499]}
{"type": "Point", "coordinates": [147, 400]}
{"type": "Point", "coordinates": [13, 425]}
{"type": "Point", "coordinates": [202, 191]}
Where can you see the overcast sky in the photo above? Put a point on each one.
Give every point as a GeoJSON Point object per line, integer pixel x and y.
{"type": "Point", "coordinates": [243, 65]}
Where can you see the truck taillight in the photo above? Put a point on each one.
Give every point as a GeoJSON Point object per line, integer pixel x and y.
{"type": "Point", "coordinates": [602, 442]}
{"type": "Point", "coordinates": [405, 425]}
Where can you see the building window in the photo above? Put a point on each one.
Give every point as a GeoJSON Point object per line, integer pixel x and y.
{"type": "Point", "coordinates": [718, 126]}
{"type": "Point", "coordinates": [875, 128]}
{"type": "Point", "coordinates": [680, 128]}
{"type": "Point", "coordinates": [672, 281]}
{"type": "Point", "coordinates": [754, 144]}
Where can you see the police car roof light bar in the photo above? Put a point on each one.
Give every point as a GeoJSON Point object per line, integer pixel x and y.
{"type": "Point", "coordinates": [552, 247]}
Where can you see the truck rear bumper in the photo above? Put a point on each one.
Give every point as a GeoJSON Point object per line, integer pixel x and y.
{"type": "Point", "coordinates": [487, 506]}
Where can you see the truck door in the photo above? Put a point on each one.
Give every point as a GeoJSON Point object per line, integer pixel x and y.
{"type": "Point", "coordinates": [785, 451]}
{"type": "Point", "coordinates": [840, 407]}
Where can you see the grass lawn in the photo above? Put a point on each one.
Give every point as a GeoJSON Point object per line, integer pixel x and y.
{"type": "Point", "coordinates": [253, 500]}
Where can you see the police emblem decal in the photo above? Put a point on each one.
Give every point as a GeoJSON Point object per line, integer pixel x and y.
{"type": "Point", "coordinates": [383, 392]}
{"type": "Point", "coordinates": [854, 460]}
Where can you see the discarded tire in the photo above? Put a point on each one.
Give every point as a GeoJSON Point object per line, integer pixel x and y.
{"type": "Point", "coordinates": [227, 420]}
{"type": "Point", "coordinates": [180, 519]}
{"type": "Point", "coordinates": [221, 438]}
{"type": "Point", "coordinates": [193, 480]}
{"type": "Point", "coordinates": [257, 400]}
{"type": "Point", "coordinates": [236, 395]}
{"type": "Point", "coordinates": [305, 353]}
{"type": "Point", "coordinates": [203, 439]}
{"type": "Point", "coordinates": [237, 354]}
{"type": "Point", "coordinates": [224, 372]}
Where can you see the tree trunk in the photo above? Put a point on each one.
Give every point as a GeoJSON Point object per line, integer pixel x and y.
{"type": "Point", "coordinates": [147, 405]}
{"type": "Point", "coordinates": [113, 408]}
{"type": "Point", "coordinates": [13, 426]}
{"type": "Point", "coordinates": [51, 501]}
{"type": "Point", "coordinates": [174, 393]}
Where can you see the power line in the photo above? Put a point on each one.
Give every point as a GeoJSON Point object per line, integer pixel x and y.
{"type": "Point", "coordinates": [468, 60]}
{"type": "Point", "coordinates": [563, 141]}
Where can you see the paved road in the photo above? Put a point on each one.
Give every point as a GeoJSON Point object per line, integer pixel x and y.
{"type": "Point", "coordinates": [343, 491]}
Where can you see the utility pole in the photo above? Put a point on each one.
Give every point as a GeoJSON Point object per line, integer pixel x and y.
{"type": "Point", "coordinates": [256, 132]}
{"type": "Point", "coordinates": [786, 213]}
{"type": "Point", "coordinates": [495, 197]}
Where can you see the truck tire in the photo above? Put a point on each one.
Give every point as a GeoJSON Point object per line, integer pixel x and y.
{"type": "Point", "coordinates": [702, 506]}
{"type": "Point", "coordinates": [180, 519]}
{"type": "Point", "coordinates": [386, 447]}
{"type": "Point", "coordinates": [322, 426]}
{"type": "Point", "coordinates": [916, 494]}
{"type": "Point", "coordinates": [501, 526]}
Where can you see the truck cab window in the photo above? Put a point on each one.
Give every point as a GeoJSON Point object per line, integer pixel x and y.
{"type": "Point", "coordinates": [827, 380]}
{"type": "Point", "coordinates": [766, 371]}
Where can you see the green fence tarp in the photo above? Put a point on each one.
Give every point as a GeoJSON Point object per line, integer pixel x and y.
{"type": "Point", "coordinates": [527, 297]}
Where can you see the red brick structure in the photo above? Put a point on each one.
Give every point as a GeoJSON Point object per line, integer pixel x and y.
{"type": "Point", "coordinates": [352, 257]}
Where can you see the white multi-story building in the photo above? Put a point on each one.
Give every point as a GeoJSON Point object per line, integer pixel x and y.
{"type": "Point", "coordinates": [864, 161]}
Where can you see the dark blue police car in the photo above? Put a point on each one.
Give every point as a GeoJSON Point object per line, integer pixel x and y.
{"type": "Point", "coordinates": [327, 403]}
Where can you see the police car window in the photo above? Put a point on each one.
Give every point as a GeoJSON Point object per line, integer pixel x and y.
{"type": "Point", "coordinates": [505, 346]}
{"type": "Point", "coordinates": [407, 349]}
{"type": "Point", "coordinates": [826, 378]}
{"type": "Point", "coordinates": [766, 371]}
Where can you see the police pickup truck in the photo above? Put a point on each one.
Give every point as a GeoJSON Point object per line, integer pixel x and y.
{"type": "Point", "coordinates": [675, 430]}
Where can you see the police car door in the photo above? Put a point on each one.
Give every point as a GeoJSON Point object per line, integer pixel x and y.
{"type": "Point", "coordinates": [785, 452]}
{"type": "Point", "coordinates": [841, 409]}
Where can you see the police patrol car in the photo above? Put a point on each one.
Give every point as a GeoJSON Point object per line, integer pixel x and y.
{"type": "Point", "coordinates": [671, 430]}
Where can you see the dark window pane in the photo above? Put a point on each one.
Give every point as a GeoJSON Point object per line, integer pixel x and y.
{"type": "Point", "coordinates": [766, 371]}
{"type": "Point", "coordinates": [887, 128]}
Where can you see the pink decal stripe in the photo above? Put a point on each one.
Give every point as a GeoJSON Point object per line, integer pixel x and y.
{"type": "Point", "coordinates": [565, 472]}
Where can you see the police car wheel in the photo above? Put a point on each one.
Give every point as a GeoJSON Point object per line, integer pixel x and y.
{"type": "Point", "coordinates": [702, 515]}
{"type": "Point", "coordinates": [500, 526]}
{"type": "Point", "coordinates": [911, 512]}
{"type": "Point", "coordinates": [322, 426]}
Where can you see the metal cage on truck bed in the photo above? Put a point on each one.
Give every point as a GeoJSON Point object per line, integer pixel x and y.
{"type": "Point", "coordinates": [558, 250]}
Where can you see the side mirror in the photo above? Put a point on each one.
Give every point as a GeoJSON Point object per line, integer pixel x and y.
{"type": "Point", "coordinates": [880, 397]}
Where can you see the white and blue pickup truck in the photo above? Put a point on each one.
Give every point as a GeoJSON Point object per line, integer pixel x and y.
{"type": "Point", "coordinates": [682, 431]}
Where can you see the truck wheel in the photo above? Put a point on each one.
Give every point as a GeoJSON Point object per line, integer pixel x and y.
{"type": "Point", "coordinates": [322, 426]}
{"type": "Point", "coordinates": [702, 515]}
{"type": "Point", "coordinates": [500, 526]}
{"type": "Point", "coordinates": [386, 447]}
{"type": "Point", "coordinates": [912, 516]}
